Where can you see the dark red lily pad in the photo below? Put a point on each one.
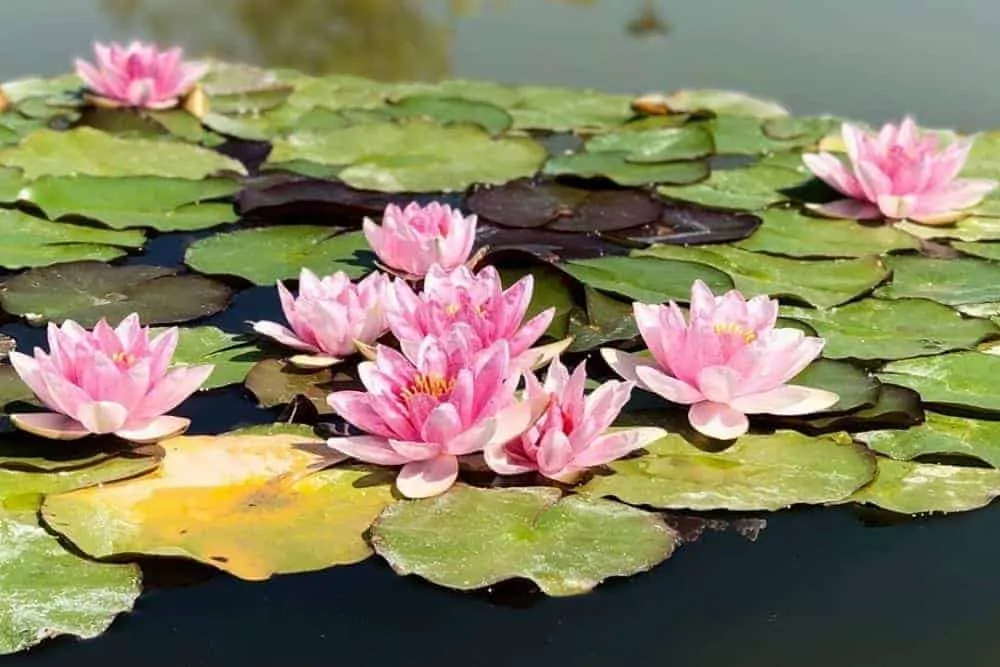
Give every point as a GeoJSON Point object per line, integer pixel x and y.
{"type": "Point", "coordinates": [683, 223]}
{"type": "Point", "coordinates": [547, 245]}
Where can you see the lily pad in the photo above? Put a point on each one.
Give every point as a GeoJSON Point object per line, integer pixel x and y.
{"type": "Point", "coordinates": [27, 241]}
{"type": "Point", "coordinates": [805, 130]}
{"type": "Point", "coordinates": [684, 223]}
{"type": "Point", "coordinates": [907, 487]}
{"type": "Point", "coordinates": [275, 383]}
{"type": "Point", "coordinates": [12, 388]}
{"type": "Point", "coordinates": [449, 110]}
{"type": "Point", "coordinates": [880, 329]}
{"type": "Point", "coordinates": [749, 188]}
{"type": "Point", "coordinates": [855, 387]}
{"type": "Point", "coordinates": [605, 320]}
{"type": "Point", "coordinates": [940, 434]}
{"type": "Point", "coordinates": [948, 281]}
{"type": "Point", "coordinates": [264, 255]}
{"type": "Point", "coordinates": [956, 379]}
{"type": "Point", "coordinates": [616, 167]}
{"type": "Point", "coordinates": [231, 354]}
{"type": "Point", "coordinates": [741, 135]}
{"type": "Point", "coordinates": [821, 283]}
{"type": "Point", "coordinates": [414, 156]}
{"type": "Point", "coordinates": [973, 228]}
{"type": "Point", "coordinates": [896, 407]}
{"type": "Point", "coordinates": [470, 538]}
{"type": "Point", "coordinates": [87, 291]}
{"type": "Point", "coordinates": [687, 142]}
{"type": "Point", "coordinates": [788, 232]}
{"type": "Point", "coordinates": [723, 103]}
{"type": "Point", "coordinates": [552, 289]}
{"type": "Point", "coordinates": [568, 109]}
{"type": "Point", "coordinates": [646, 279]}
{"type": "Point", "coordinates": [90, 152]}
{"type": "Point", "coordinates": [248, 505]}
{"type": "Point", "coordinates": [989, 251]}
{"type": "Point", "coordinates": [758, 472]}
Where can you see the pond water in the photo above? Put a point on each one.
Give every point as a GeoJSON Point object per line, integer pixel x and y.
{"type": "Point", "coordinates": [818, 587]}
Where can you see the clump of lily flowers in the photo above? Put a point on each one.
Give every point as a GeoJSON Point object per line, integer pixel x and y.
{"type": "Point", "coordinates": [138, 75]}
{"type": "Point", "coordinates": [452, 385]}
{"type": "Point", "coordinates": [899, 173]}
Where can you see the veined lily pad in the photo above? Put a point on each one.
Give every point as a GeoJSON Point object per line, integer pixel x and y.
{"type": "Point", "coordinates": [687, 142]}
{"type": "Point", "coordinates": [231, 354]}
{"type": "Point", "coordinates": [249, 505]}
{"type": "Point", "coordinates": [470, 538]}
{"type": "Point", "coordinates": [263, 255]}
{"type": "Point", "coordinates": [646, 279]}
{"type": "Point", "coordinates": [957, 379]}
{"type": "Point", "coordinates": [879, 329]}
{"type": "Point", "coordinates": [788, 232]}
{"type": "Point", "coordinates": [758, 472]}
{"type": "Point", "coordinates": [916, 488]}
{"type": "Point", "coordinates": [27, 241]}
{"type": "Point", "coordinates": [948, 281]}
{"type": "Point", "coordinates": [823, 284]}
{"type": "Point", "coordinates": [750, 188]}
{"type": "Point", "coordinates": [90, 152]}
{"type": "Point", "coordinates": [616, 167]}
{"type": "Point", "coordinates": [88, 291]}
{"type": "Point", "coordinates": [940, 434]}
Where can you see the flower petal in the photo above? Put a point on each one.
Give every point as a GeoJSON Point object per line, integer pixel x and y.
{"type": "Point", "coordinates": [670, 388]}
{"type": "Point", "coordinates": [369, 449]}
{"type": "Point", "coordinates": [102, 416]}
{"type": "Point", "coordinates": [283, 335]}
{"type": "Point", "coordinates": [612, 446]}
{"type": "Point", "coordinates": [160, 428]}
{"type": "Point", "coordinates": [49, 425]}
{"type": "Point", "coordinates": [718, 420]}
{"type": "Point", "coordinates": [848, 209]}
{"type": "Point", "coordinates": [787, 400]}
{"type": "Point", "coordinates": [423, 479]}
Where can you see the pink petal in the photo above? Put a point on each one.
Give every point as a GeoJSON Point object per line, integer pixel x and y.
{"type": "Point", "coordinates": [872, 180]}
{"type": "Point", "coordinates": [473, 439]}
{"type": "Point", "coordinates": [49, 425]}
{"type": "Point", "coordinates": [787, 400]}
{"type": "Point", "coordinates": [515, 419]}
{"type": "Point", "coordinates": [499, 460]}
{"type": "Point", "coordinates": [369, 449]}
{"type": "Point", "coordinates": [625, 364]}
{"type": "Point", "coordinates": [959, 195]}
{"type": "Point", "coordinates": [102, 416]}
{"type": "Point", "coordinates": [834, 173]}
{"type": "Point", "coordinates": [443, 425]}
{"type": "Point", "coordinates": [670, 388]}
{"type": "Point", "coordinates": [532, 330]}
{"type": "Point", "coordinates": [555, 452]}
{"type": "Point", "coordinates": [719, 383]}
{"type": "Point", "coordinates": [717, 420]}
{"type": "Point", "coordinates": [28, 370]}
{"type": "Point", "coordinates": [356, 407]}
{"type": "Point", "coordinates": [423, 479]}
{"type": "Point", "coordinates": [172, 390]}
{"type": "Point", "coordinates": [313, 361]}
{"type": "Point", "coordinates": [160, 428]}
{"type": "Point", "coordinates": [613, 446]}
{"type": "Point", "coordinates": [601, 409]}
{"type": "Point", "coordinates": [537, 357]}
{"type": "Point", "coordinates": [283, 335]}
{"type": "Point", "coordinates": [847, 209]}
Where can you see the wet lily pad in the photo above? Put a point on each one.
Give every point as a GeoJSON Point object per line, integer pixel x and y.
{"type": "Point", "coordinates": [88, 291]}
{"type": "Point", "coordinates": [615, 166]}
{"type": "Point", "coordinates": [805, 130]}
{"type": "Point", "coordinates": [449, 110]}
{"type": "Point", "coordinates": [879, 329]}
{"type": "Point", "coordinates": [907, 487]}
{"type": "Point", "coordinates": [823, 284]}
{"type": "Point", "coordinates": [973, 228]}
{"type": "Point", "coordinates": [413, 156]}
{"type": "Point", "coordinates": [723, 103]}
{"type": "Point", "coordinates": [231, 354]}
{"type": "Point", "coordinates": [750, 188]}
{"type": "Point", "coordinates": [940, 434]}
{"type": "Point", "coordinates": [742, 135]}
{"type": "Point", "coordinates": [27, 241]}
{"type": "Point", "coordinates": [90, 152]}
{"type": "Point", "coordinates": [278, 428]}
{"type": "Point", "coordinates": [249, 505]}
{"type": "Point", "coordinates": [470, 538]}
{"type": "Point", "coordinates": [855, 387]}
{"type": "Point", "coordinates": [568, 109]}
{"type": "Point", "coordinates": [263, 255]}
{"type": "Point", "coordinates": [758, 472]}
{"type": "Point", "coordinates": [989, 251]}
{"type": "Point", "coordinates": [646, 279]}
{"type": "Point", "coordinates": [788, 232]}
{"type": "Point", "coordinates": [668, 144]}
{"type": "Point", "coordinates": [275, 383]}
{"type": "Point", "coordinates": [948, 281]}
{"type": "Point", "coordinates": [605, 320]}
{"type": "Point", "coordinates": [956, 379]}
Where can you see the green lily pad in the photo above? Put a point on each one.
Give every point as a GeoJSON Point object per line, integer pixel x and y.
{"type": "Point", "coordinates": [879, 329]}
{"type": "Point", "coordinates": [805, 130]}
{"type": "Point", "coordinates": [278, 428]}
{"type": "Point", "coordinates": [616, 167]}
{"type": "Point", "coordinates": [12, 388]}
{"type": "Point", "coordinates": [984, 158]}
{"type": "Point", "coordinates": [264, 255]}
{"type": "Point", "coordinates": [275, 383]}
{"type": "Point", "coordinates": [552, 289]}
{"type": "Point", "coordinates": [948, 281]}
{"type": "Point", "coordinates": [939, 434]}
{"type": "Point", "coordinates": [413, 156]}
{"type": "Point", "coordinates": [989, 251]}
{"type": "Point", "coordinates": [449, 110]}
{"type": "Point", "coordinates": [11, 184]}
{"type": "Point", "coordinates": [723, 103]}
{"type": "Point", "coordinates": [688, 142]}
{"type": "Point", "coordinates": [87, 291]}
{"type": "Point", "coordinates": [956, 379]}
{"type": "Point", "coordinates": [896, 407]}
{"type": "Point", "coordinates": [907, 487]}
{"type": "Point", "coordinates": [788, 232]}
{"type": "Point", "coordinates": [605, 320]}
{"type": "Point", "coordinates": [646, 279]}
{"type": "Point", "coordinates": [27, 241]}
{"type": "Point", "coordinates": [758, 472]}
{"type": "Point", "coordinates": [821, 283]}
{"type": "Point", "coordinates": [20, 451]}
{"type": "Point", "coordinates": [90, 152]}
{"type": "Point", "coordinates": [855, 387]}
{"type": "Point", "coordinates": [568, 109]}
{"type": "Point", "coordinates": [742, 135]}
{"type": "Point", "coordinates": [750, 188]}
{"type": "Point", "coordinates": [973, 228]}
{"type": "Point", "coordinates": [470, 538]}
{"type": "Point", "coordinates": [231, 354]}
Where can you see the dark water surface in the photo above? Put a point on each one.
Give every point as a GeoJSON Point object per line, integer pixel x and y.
{"type": "Point", "coordinates": [818, 588]}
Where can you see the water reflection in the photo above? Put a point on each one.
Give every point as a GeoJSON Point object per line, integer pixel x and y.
{"type": "Point", "coordinates": [648, 22]}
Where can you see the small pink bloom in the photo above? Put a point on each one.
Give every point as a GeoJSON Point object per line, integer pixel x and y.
{"type": "Point", "coordinates": [727, 362]}
{"type": "Point", "coordinates": [413, 239]}
{"type": "Point", "coordinates": [139, 75]}
{"type": "Point", "coordinates": [898, 173]}
{"type": "Point", "coordinates": [329, 317]}
{"type": "Point", "coordinates": [107, 381]}
{"type": "Point", "coordinates": [424, 414]}
{"type": "Point", "coordinates": [474, 307]}
{"type": "Point", "coordinates": [570, 436]}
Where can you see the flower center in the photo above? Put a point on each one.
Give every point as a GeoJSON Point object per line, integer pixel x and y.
{"type": "Point", "coordinates": [733, 329]}
{"type": "Point", "coordinates": [123, 359]}
{"type": "Point", "coordinates": [452, 309]}
{"type": "Point", "coordinates": [432, 385]}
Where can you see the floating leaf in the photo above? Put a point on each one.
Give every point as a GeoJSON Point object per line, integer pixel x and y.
{"type": "Point", "coordinates": [989, 251]}
{"type": "Point", "coordinates": [606, 320]}
{"type": "Point", "coordinates": [263, 255]}
{"type": "Point", "coordinates": [90, 152]}
{"type": "Point", "coordinates": [896, 407]}
{"type": "Point", "coordinates": [27, 241]}
{"type": "Point", "coordinates": [723, 103]}
{"type": "Point", "coordinates": [823, 284]}
{"type": "Point", "coordinates": [750, 188]}
{"type": "Point", "coordinates": [688, 142]}
{"type": "Point", "coordinates": [646, 279]}
{"type": "Point", "coordinates": [568, 109]}
{"type": "Point", "coordinates": [471, 538]}
{"type": "Point", "coordinates": [879, 329]}
{"type": "Point", "coordinates": [231, 354]}
{"type": "Point", "coordinates": [684, 223]}
{"type": "Point", "coordinates": [788, 232]}
{"type": "Point", "coordinates": [615, 167]}
{"type": "Point", "coordinates": [957, 379]}
{"type": "Point", "coordinates": [805, 130]}
{"type": "Point", "coordinates": [12, 388]}
{"type": "Point", "coordinates": [940, 434]}
{"type": "Point", "coordinates": [276, 383]}
{"type": "Point", "coordinates": [758, 472]}
{"type": "Point", "coordinates": [87, 291]}
{"type": "Point", "coordinates": [552, 289]}
{"type": "Point", "coordinates": [947, 281]}
{"type": "Point", "coordinates": [244, 504]}
{"type": "Point", "coordinates": [738, 135]}
{"type": "Point", "coordinates": [547, 245]}
{"type": "Point", "coordinates": [414, 156]}
{"type": "Point", "coordinates": [450, 110]}
{"type": "Point", "coordinates": [855, 387]}
{"type": "Point", "coordinates": [967, 229]}
{"type": "Point", "coordinates": [279, 428]}
{"type": "Point", "coordinates": [916, 488]}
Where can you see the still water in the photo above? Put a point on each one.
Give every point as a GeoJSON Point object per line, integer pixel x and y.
{"type": "Point", "coordinates": [818, 587]}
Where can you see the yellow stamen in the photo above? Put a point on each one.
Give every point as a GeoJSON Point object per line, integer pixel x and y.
{"type": "Point", "coordinates": [734, 329]}
{"type": "Point", "coordinates": [123, 358]}
{"type": "Point", "coordinates": [452, 308]}
{"type": "Point", "coordinates": [432, 385]}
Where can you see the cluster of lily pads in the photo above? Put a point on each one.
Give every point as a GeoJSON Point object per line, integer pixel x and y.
{"type": "Point", "coordinates": [607, 202]}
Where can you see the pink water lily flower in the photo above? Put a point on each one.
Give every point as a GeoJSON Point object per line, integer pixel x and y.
{"type": "Point", "coordinates": [109, 380]}
{"type": "Point", "coordinates": [727, 362]}
{"type": "Point", "coordinates": [899, 173]}
{"type": "Point", "coordinates": [413, 239]}
{"type": "Point", "coordinates": [571, 436]}
{"type": "Point", "coordinates": [475, 306]}
{"type": "Point", "coordinates": [139, 75]}
{"type": "Point", "coordinates": [329, 318]}
{"type": "Point", "coordinates": [423, 414]}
